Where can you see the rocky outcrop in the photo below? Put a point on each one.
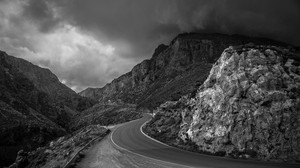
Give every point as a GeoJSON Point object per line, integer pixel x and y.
{"type": "Point", "coordinates": [249, 106]}
{"type": "Point", "coordinates": [173, 70]}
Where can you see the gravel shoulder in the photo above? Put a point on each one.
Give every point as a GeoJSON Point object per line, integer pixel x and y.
{"type": "Point", "coordinates": [105, 155]}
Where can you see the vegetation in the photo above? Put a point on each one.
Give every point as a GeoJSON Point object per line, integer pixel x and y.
{"type": "Point", "coordinates": [31, 114]}
{"type": "Point", "coordinates": [105, 114]}
{"type": "Point", "coordinates": [66, 149]}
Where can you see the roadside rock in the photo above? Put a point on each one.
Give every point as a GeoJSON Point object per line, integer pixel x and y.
{"type": "Point", "coordinates": [249, 106]}
{"type": "Point", "coordinates": [21, 160]}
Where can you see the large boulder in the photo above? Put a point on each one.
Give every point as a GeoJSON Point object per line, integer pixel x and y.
{"type": "Point", "coordinates": [249, 106]}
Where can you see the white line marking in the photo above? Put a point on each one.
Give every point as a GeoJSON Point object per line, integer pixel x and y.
{"type": "Point", "coordinates": [141, 129]}
{"type": "Point", "coordinates": [162, 144]}
{"type": "Point", "coordinates": [111, 139]}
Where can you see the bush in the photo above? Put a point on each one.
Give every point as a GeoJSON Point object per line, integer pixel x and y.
{"type": "Point", "coordinates": [81, 155]}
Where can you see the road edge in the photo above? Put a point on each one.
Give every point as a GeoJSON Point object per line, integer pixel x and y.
{"type": "Point", "coordinates": [84, 147]}
{"type": "Point", "coordinates": [141, 129]}
{"type": "Point", "coordinates": [114, 144]}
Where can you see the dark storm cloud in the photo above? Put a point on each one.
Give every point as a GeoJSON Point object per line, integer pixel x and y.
{"type": "Point", "coordinates": [139, 25]}
{"type": "Point", "coordinates": [90, 42]}
{"type": "Point", "coordinates": [144, 24]}
{"type": "Point", "coordinates": [121, 23]}
{"type": "Point", "coordinates": [42, 12]}
{"type": "Point", "coordinates": [273, 19]}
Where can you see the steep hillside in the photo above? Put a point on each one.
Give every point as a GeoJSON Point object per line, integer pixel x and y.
{"type": "Point", "coordinates": [173, 70]}
{"type": "Point", "coordinates": [105, 114]}
{"type": "Point", "coordinates": [249, 106]}
{"type": "Point", "coordinates": [45, 81]}
{"type": "Point", "coordinates": [31, 113]}
{"type": "Point", "coordinates": [66, 150]}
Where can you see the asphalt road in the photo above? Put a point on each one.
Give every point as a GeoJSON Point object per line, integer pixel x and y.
{"type": "Point", "coordinates": [129, 137]}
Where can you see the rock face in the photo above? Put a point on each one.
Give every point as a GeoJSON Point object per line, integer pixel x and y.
{"type": "Point", "coordinates": [249, 106]}
{"type": "Point", "coordinates": [34, 106]}
{"type": "Point", "coordinates": [173, 70]}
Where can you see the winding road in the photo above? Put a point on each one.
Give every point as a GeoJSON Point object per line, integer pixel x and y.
{"type": "Point", "coordinates": [129, 137]}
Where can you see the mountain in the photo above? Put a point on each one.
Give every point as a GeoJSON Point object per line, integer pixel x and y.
{"type": "Point", "coordinates": [105, 114]}
{"type": "Point", "coordinates": [45, 81]}
{"type": "Point", "coordinates": [248, 107]}
{"type": "Point", "coordinates": [173, 70]}
{"type": "Point", "coordinates": [34, 106]}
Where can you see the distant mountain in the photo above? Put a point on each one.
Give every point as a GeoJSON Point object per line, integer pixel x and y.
{"type": "Point", "coordinates": [34, 106]}
{"type": "Point", "coordinates": [173, 70]}
{"type": "Point", "coordinates": [248, 107]}
{"type": "Point", "coordinates": [105, 114]}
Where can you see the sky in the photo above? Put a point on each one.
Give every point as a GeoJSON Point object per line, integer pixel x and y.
{"type": "Point", "coordinates": [88, 43]}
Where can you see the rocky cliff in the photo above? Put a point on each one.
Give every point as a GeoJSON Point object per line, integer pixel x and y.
{"type": "Point", "coordinates": [249, 106]}
{"type": "Point", "coordinates": [34, 106]}
{"type": "Point", "coordinates": [173, 70]}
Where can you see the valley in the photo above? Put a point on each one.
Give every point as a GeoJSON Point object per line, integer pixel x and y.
{"type": "Point", "coordinates": [231, 96]}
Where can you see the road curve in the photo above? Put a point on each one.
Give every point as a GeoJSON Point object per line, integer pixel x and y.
{"type": "Point", "coordinates": [129, 137]}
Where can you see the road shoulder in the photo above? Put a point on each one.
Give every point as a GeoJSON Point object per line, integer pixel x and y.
{"type": "Point", "coordinates": [105, 155]}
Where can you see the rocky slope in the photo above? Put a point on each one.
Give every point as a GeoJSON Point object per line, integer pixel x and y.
{"type": "Point", "coordinates": [34, 106]}
{"type": "Point", "coordinates": [173, 70]}
{"type": "Point", "coordinates": [61, 152]}
{"type": "Point", "coordinates": [249, 106]}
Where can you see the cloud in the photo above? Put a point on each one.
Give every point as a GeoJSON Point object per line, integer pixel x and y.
{"type": "Point", "coordinates": [42, 13]}
{"type": "Point", "coordinates": [75, 57]}
{"type": "Point", "coordinates": [144, 23]}
{"type": "Point", "coordinates": [88, 43]}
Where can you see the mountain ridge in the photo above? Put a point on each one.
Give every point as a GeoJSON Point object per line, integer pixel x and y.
{"type": "Point", "coordinates": [36, 107]}
{"type": "Point", "coordinates": [184, 53]}
{"type": "Point", "coordinates": [31, 113]}
{"type": "Point", "coordinates": [46, 81]}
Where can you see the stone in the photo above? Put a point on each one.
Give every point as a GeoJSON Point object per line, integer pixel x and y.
{"type": "Point", "coordinates": [247, 107]}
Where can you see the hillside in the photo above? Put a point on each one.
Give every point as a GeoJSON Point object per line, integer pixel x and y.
{"type": "Point", "coordinates": [173, 70]}
{"type": "Point", "coordinates": [66, 150]}
{"type": "Point", "coordinates": [34, 106]}
{"type": "Point", "coordinates": [105, 114]}
{"type": "Point", "coordinates": [248, 107]}
{"type": "Point", "coordinates": [44, 80]}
